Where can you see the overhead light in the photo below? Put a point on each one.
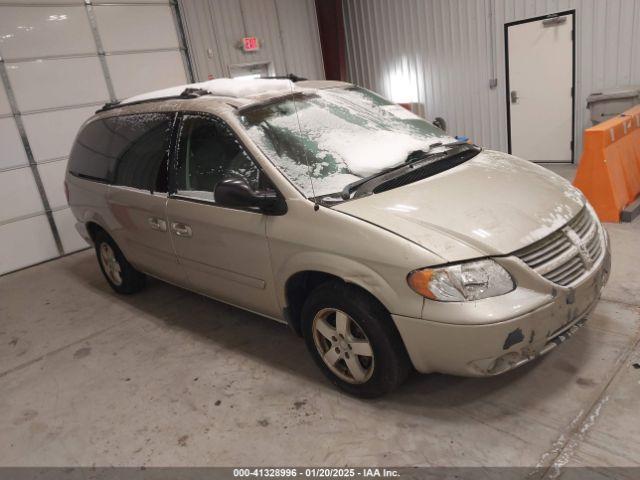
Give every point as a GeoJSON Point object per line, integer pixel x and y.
{"type": "Point", "coordinates": [403, 85]}
{"type": "Point", "coordinates": [247, 77]}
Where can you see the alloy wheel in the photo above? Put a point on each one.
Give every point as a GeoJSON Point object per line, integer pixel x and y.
{"type": "Point", "coordinates": [110, 264]}
{"type": "Point", "coordinates": [343, 345]}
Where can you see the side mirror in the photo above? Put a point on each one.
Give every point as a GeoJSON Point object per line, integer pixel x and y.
{"type": "Point", "coordinates": [236, 192]}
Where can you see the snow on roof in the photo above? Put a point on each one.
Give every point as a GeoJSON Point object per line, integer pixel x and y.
{"type": "Point", "coordinates": [222, 87]}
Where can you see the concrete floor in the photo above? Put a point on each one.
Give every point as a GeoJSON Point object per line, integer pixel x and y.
{"type": "Point", "coordinates": [167, 377]}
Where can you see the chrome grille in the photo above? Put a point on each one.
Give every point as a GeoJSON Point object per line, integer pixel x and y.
{"type": "Point", "coordinates": [567, 254]}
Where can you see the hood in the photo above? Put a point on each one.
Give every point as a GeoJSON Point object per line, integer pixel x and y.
{"type": "Point", "coordinates": [493, 204]}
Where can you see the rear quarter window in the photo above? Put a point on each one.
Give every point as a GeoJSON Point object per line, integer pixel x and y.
{"type": "Point", "coordinates": [129, 150]}
{"type": "Point", "coordinates": [90, 156]}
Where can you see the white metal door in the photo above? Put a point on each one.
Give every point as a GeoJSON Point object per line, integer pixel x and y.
{"type": "Point", "coordinates": [540, 89]}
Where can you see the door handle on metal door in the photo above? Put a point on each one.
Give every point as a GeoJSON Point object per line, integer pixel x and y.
{"type": "Point", "coordinates": [514, 96]}
{"type": "Point", "coordinates": [157, 224]}
{"type": "Point", "coordinates": [181, 229]}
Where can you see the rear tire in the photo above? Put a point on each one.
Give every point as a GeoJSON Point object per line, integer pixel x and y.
{"type": "Point", "coordinates": [352, 339]}
{"type": "Point", "coordinates": [120, 274]}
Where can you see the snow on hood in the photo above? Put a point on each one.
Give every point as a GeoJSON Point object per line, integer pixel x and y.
{"type": "Point", "coordinates": [494, 204]}
{"type": "Point", "coordinates": [223, 87]}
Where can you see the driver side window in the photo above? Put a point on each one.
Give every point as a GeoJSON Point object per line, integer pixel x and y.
{"type": "Point", "coordinates": [208, 153]}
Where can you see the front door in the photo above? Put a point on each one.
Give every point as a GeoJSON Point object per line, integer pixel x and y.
{"type": "Point", "coordinates": [224, 251]}
{"type": "Point", "coordinates": [540, 82]}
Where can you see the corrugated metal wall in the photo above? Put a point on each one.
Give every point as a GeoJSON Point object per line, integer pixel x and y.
{"type": "Point", "coordinates": [287, 30]}
{"type": "Point", "coordinates": [438, 53]}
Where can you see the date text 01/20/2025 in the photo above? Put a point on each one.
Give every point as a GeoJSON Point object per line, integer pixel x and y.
{"type": "Point", "coordinates": [315, 472]}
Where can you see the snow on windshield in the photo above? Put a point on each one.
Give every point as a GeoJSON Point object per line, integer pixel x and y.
{"type": "Point", "coordinates": [337, 137]}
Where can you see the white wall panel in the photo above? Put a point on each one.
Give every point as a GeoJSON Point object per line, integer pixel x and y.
{"type": "Point", "coordinates": [52, 175]}
{"type": "Point", "coordinates": [229, 27]}
{"type": "Point", "coordinates": [438, 54]}
{"type": "Point", "coordinates": [300, 38]}
{"type": "Point", "coordinates": [261, 20]}
{"type": "Point", "coordinates": [142, 72]}
{"type": "Point", "coordinates": [25, 242]}
{"type": "Point", "coordinates": [27, 32]}
{"type": "Point", "coordinates": [287, 30]}
{"type": "Point", "coordinates": [136, 27]}
{"type": "Point", "coordinates": [44, 84]}
{"type": "Point", "coordinates": [18, 194]}
{"type": "Point", "coordinates": [58, 79]}
{"type": "Point", "coordinates": [51, 134]}
{"type": "Point", "coordinates": [432, 54]}
{"type": "Point", "coordinates": [71, 239]}
{"type": "Point", "coordinates": [12, 149]}
{"type": "Point", "coordinates": [4, 103]}
{"type": "Point", "coordinates": [203, 43]}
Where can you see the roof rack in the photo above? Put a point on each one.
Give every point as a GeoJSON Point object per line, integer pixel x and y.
{"type": "Point", "coordinates": [188, 92]}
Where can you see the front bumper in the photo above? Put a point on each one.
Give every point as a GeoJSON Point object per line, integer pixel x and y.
{"type": "Point", "coordinates": [498, 334]}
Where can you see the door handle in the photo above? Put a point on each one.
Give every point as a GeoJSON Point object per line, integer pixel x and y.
{"type": "Point", "coordinates": [514, 96]}
{"type": "Point", "coordinates": [157, 224]}
{"type": "Point", "coordinates": [181, 229]}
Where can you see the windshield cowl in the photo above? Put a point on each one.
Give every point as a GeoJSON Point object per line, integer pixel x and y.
{"type": "Point", "coordinates": [413, 166]}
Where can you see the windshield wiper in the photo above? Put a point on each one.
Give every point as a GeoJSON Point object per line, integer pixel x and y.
{"type": "Point", "coordinates": [413, 157]}
{"type": "Point", "coordinates": [420, 154]}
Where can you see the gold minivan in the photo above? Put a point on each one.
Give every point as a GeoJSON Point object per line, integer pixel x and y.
{"type": "Point", "coordinates": [385, 243]}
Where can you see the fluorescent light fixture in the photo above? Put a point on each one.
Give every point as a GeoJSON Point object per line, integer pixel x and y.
{"type": "Point", "coordinates": [250, 76]}
{"type": "Point", "coordinates": [402, 85]}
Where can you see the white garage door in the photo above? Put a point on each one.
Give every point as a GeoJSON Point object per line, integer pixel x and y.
{"type": "Point", "coordinates": [60, 61]}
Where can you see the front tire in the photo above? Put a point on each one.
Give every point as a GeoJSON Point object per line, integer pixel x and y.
{"type": "Point", "coordinates": [352, 339]}
{"type": "Point", "coordinates": [120, 274]}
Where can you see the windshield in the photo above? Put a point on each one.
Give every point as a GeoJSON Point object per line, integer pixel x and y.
{"type": "Point", "coordinates": [337, 137]}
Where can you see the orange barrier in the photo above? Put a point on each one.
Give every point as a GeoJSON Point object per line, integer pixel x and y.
{"type": "Point", "coordinates": [609, 170]}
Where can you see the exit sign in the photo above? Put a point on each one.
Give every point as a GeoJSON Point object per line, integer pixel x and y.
{"type": "Point", "coordinates": [250, 44]}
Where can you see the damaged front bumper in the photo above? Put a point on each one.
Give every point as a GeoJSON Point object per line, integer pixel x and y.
{"type": "Point", "coordinates": [492, 336]}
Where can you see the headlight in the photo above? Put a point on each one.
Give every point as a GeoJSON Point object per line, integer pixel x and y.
{"type": "Point", "coordinates": [462, 282]}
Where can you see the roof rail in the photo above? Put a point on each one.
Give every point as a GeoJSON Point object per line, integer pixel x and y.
{"type": "Point", "coordinates": [187, 93]}
{"type": "Point", "coordinates": [193, 92]}
{"type": "Point", "coordinates": [108, 106]}
{"type": "Point", "coordinates": [290, 76]}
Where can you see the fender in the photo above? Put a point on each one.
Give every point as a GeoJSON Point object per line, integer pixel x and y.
{"type": "Point", "coordinates": [345, 268]}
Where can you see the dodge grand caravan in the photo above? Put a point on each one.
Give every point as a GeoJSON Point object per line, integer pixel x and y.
{"type": "Point", "coordinates": [383, 242]}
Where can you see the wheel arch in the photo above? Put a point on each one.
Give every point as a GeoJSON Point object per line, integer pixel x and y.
{"type": "Point", "coordinates": [93, 222]}
{"type": "Point", "coordinates": [93, 228]}
{"type": "Point", "coordinates": [299, 282]}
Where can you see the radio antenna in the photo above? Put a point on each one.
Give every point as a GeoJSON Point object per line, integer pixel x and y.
{"type": "Point", "coordinates": [316, 205]}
